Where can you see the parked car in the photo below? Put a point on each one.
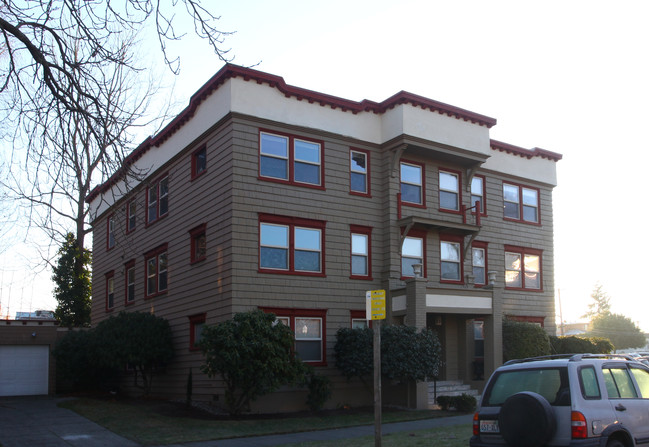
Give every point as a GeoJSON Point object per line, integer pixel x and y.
{"type": "Point", "coordinates": [566, 400]}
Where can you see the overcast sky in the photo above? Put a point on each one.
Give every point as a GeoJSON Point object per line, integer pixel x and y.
{"type": "Point", "coordinates": [567, 76]}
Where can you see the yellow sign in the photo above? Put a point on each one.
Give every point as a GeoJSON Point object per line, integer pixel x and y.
{"type": "Point", "coordinates": [375, 305]}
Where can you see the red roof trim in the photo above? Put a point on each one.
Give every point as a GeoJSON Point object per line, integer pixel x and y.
{"type": "Point", "coordinates": [232, 71]}
{"type": "Point", "coordinates": [525, 153]}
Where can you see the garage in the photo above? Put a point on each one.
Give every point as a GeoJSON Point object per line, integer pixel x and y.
{"type": "Point", "coordinates": [24, 370]}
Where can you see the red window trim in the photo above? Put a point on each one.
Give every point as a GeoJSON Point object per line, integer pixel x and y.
{"type": "Point", "coordinates": [154, 254]}
{"type": "Point", "coordinates": [421, 234]}
{"type": "Point", "coordinates": [523, 251]}
{"type": "Point", "coordinates": [156, 184]}
{"type": "Point", "coordinates": [482, 245]}
{"type": "Point", "coordinates": [110, 275]}
{"type": "Point", "coordinates": [483, 201]}
{"type": "Point", "coordinates": [459, 191]}
{"type": "Point", "coordinates": [292, 222]}
{"type": "Point", "coordinates": [457, 240]}
{"type": "Point", "coordinates": [527, 319]}
{"type": "Point", "coordinates": [367, 231]}
{"type": "Point", "coordinates": [108, 232]}
{"type": "Point", "coordinates": [291, 160]}
{"type": "Point", "coordinates": [128, 216]}
{"type": "Point", "coordinates": [193, 234]}
{"type": "Point", "coordinates": [423, 183]}
{"type": "Point", "coordinates": [129, 265]}
{"type": "Point", "coordinates": [193, 321]}
{"type": "Point", "coordinates": [368, 174]}
{"type": "Point", "coordinates": [293, 313]}
{"type": "Point", "coordinates": [520, 204]}
{"type": "Point", "coordinates": [194, 174]}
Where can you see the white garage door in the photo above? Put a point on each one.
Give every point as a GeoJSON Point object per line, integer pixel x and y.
{"type": "Point", "coordinates": [24, 370]}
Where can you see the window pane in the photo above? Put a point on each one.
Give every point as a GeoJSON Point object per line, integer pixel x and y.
{"type": "Point", "coordinates": [450, 271]}
{"type": "Point", "coordinates": [307, 328]}
{"type": "Point", "coordinates": [478, 257]}
{"type": "Point", "coordinates": [532, 281]}
{"type": "Point", "coordinates": [306, 151]}
{"type": "Point", "coordinates": [406, 265]}
{"type": "Point", "coordinates": [132, 210]}
{"type": "Point", "coordinates": [274, 145]}
{"type": "Point", "coordinates": [274, 167]}
{"type": "Point", "coordinates": [479, 275]}
{"type": "Point", "coordinates": [153, 204]}
{"type": "Point", "coordinates": [411, 174]}
{"type": "Point", "coordinates": [359, 244]}
{"type": "Point", "coordinates": [476, 186]}
{"type": "Point", "coordinates": [274, 235]}
{"type": "Point", "coordinates": [358, 182]}
{"type": "Point", "coordinates": [359, 265]}
{"type": "Point", "coordinates": [624, 384]}
{"type": "Point", "coordinates": [307, 173]}
{"type": "Point", "coordinates": [642, 377]}
{"type": "Point", "coordinates": [447, 181]}
{"type": "Point", "coordinates": [450, 251]}
{"type": "Point", "coordinates": [152, 271]}
{"type": "Point", "coordinates": [513, 278]}
{"type": "Point", "coordinates": [512, 261]}
{"type": "Point", "coordinates": [530, 214]}
{"type": "Point", "coordinates": [532, 263]}
{"type": "Point", "coordinates": [357, 323]}
{"type": "Point", "coordinates": [309, 350]}
{"type": "Point", "coordinates": [200, 161]}
{"type": "Point", "coordinates": [273, 258]}
{"type": "Point", "coordinates": [358, 162]}
{"type": "Point", "coordinates": [510, 193]}
{"type": "Point", "coordinates": [448, 200]}
{"type": "Point", "coordinates": [511, 210]}
{"type": "Point", "coordinates": [530, 197]}
{"type": "Point", "coordinates": [410, 193]}
{"type": "Point", "coordinates": [307, 239]}
{"type": "Point", "coordinates": [307, 261]}
{"type": "Point", "coordinates": [199, 247]}
{"type": "Point", "coordinates": [412, 247]}
{"type": "Point", "coordinates": [589, 385]}
{"type": "Point", "coordinates": [162, 272]}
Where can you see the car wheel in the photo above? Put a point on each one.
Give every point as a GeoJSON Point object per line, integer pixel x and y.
{"type": "Point", "coordinates": [526, 420]}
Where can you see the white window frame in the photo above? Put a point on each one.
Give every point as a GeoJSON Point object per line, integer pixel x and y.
{"type": "Point", "coordinates": [454, 192]}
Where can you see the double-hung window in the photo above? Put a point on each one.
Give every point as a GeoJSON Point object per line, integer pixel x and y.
{"type": "Point", "coordinates": [478, 193]}
{"type": "Point", "coordinates": [110, 232]}
{"type": "Point", "coordinates": [198, 248]}
{"type": "Point", "coordinates": [290, 159]}
{"type": "Point", "coordinates": [110, 290]}
{"type": "Point", "coordinates": [522, 268]}
{"type": "Point", "coordinates": [521, 203]}
{"type": "Point", "coordinates": [451, 259]}
{"type": "Point", "coordinates": [449, 190]}
{"type": "Point", "coordinates": [412, 183]}
{"type": "Point", "coordinates": [156, 271]}
{"type": "Point", "coordinates": [361, 266]}
{"type": "Point", "coordinates": [131, 213]}
{"type": "Point", "coordinates": [199, 161]}
{"type": "Point", "coordinates": [158, 199]}
{"type": "Point", "coordinates": [359, 168]}
{"type": "Point", "coordinates": [129, 280]}
{"type": "Point", "coordinates": [309, 329]}
{"type": "Point", "coordinates": [479, 263]}
{"type": "Point", "coordinates": [412, 253]}
{"type": "Point", "coordinates": [196, 325]}
{"type": "Point", "coordinates": [291, 245]}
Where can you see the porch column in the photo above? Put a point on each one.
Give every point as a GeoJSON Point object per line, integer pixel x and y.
{"type": "Point", "coordinates": [494, 334]}
{"type": "Point", "coordinates": [416, 316]}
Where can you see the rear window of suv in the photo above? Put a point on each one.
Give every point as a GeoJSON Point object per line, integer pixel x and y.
{"type": "Point", "coordinates": [551, 383]}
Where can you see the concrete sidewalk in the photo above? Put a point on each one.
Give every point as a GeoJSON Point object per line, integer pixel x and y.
{"type": "Point", "coordinates": [40, 422]}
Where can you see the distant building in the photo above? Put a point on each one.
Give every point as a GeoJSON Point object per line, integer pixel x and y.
{"type": "Point", "coordinates": [263, 195]}
{"type": "Point", "coordinates": [37, 315]}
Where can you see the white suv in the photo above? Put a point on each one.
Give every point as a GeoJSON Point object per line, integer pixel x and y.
{"type": "Point", "coordinates": [574, 400]}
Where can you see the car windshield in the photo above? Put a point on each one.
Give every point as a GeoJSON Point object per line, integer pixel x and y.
{"type": "Point", "coordinates": [551, 383]}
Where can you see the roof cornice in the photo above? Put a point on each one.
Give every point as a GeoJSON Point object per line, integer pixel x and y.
{"type": "Point", "coordinates": [525, 153]}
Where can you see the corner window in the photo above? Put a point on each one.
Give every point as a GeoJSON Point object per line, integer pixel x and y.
{"type": "Point", "coordinates": [451, 261]}
{"type": "Point", "coordinates": [196, 325]}
{"type": "Point", "coordinates": [158, 200]}
{"type": "Point", "coordinates": [131, 212]}
{"type": "Point", "coordinates": [291, 245]}
{"type": "Point", "coordinates": [412, 183]}
{"type": "Point", "coordinates": [412, 252]}
{"type": "Point", "coordinates": [359, 168]}
{"type": "Point", "coordinates": [290, 159]}
{"type": "Point", "coordinates": [129, 285]}
{"type": "Point", "coordinates": [521, 203]}
{"type": "Point", "coordinates": [110, 232]}
{"type": "Point", "coordinates": [198, 249]}
{"type": "Point", "coordinates": [478, 193]}
{"type": "Point", "coordinates": [156, 271]}
{"type": "Point", "coordinates": [449, 190]}
{"type": "Point", "coordinates": [110, 291]}
{"type": "Point", "coordinates": [360, 252]}
{"type": "Point", "coordinates": [522, 268]}
{"type": "Point", "coordinates": [479, 263]}
{"type": "Point", "coordinates": [308, 327]}
{"type": "Point", "coordinates": [199, 161]}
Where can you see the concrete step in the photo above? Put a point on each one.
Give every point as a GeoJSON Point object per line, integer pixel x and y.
{"type": "Point", "coordinates": [449, 388]}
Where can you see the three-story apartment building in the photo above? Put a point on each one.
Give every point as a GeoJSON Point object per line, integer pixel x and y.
{"type": "Point", "coordinates": [262, 195]}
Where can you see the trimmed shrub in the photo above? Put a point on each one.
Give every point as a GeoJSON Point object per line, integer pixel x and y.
{"type": "Point", "coordinates": [465, 403]}
{"type": "Point", "coordinates": [580, 345]}
{"type": "Point", "coordinates": [522, 340]}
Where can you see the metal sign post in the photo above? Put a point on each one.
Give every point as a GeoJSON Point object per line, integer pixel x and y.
{"type": "Point", "coordinates": [375, 311]}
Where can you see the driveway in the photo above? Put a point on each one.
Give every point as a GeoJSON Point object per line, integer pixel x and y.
{"type": "Point", "coordinates": [39, 422]}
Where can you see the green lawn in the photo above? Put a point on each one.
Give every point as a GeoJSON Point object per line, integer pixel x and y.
{"type": "Point", "coordinates": [157, 423]}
